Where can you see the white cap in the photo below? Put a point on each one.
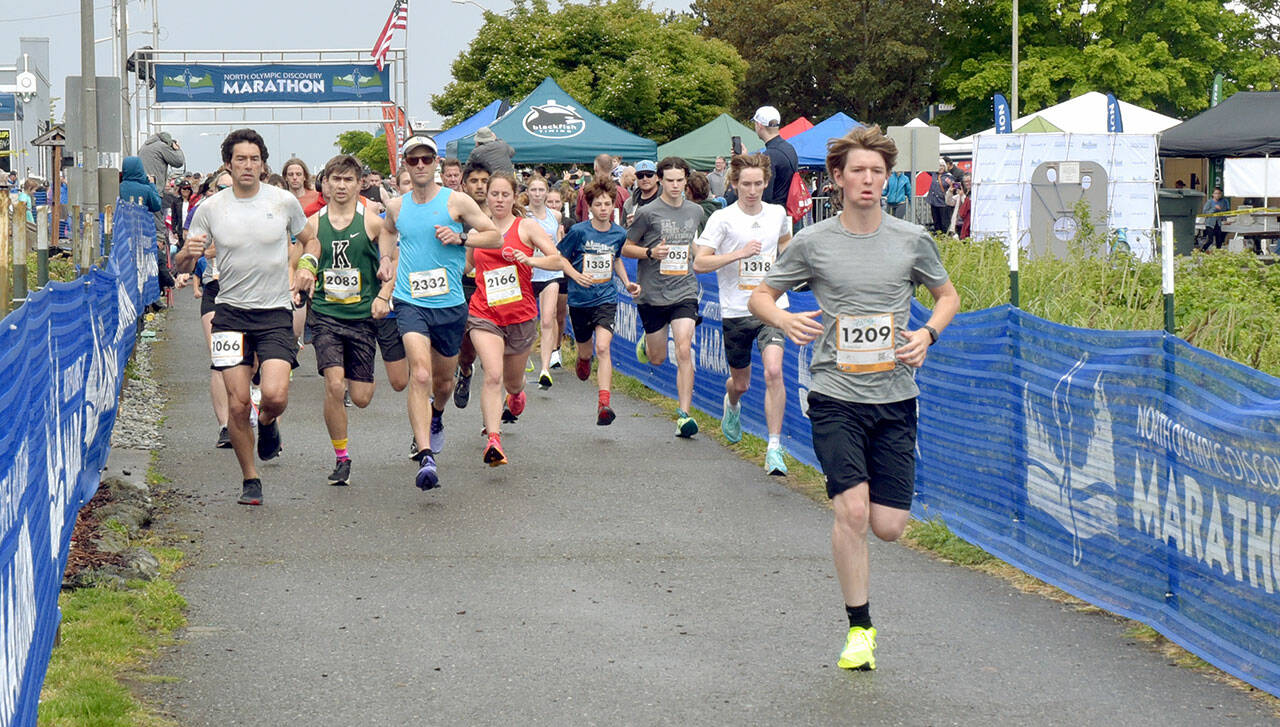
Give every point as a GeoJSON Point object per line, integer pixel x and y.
{"type": "Point", "coordinates": [416, 141]}
{"type": "Point", "coordinates": [767, 116]}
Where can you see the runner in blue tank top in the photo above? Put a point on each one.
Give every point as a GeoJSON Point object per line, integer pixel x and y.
{"type": "Point", "coordinates": [431, 311]}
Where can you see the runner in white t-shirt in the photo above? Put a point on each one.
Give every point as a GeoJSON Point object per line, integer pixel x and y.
{"type": "Point", "coordinates": [740, 243]}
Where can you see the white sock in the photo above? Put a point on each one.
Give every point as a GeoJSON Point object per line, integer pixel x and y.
{"type": "Point", "coordinates": [775, 441]}
{"type": "Point", "coordinates": [732, 406]}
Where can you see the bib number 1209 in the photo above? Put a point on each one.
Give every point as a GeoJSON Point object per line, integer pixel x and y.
{"type": "Point", "coordinates": [865, 343]}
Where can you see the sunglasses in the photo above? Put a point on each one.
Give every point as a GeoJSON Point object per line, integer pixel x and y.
{"type": "Point", "coordinates": [645, 175]}
{"type": "Point", "coordinates": [422, 160]}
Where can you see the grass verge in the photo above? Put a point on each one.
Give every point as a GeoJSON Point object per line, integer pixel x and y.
{"type": "Point", "coordinates": [108, 637]}
{"type": "Point", "coordinates": [934, 538]}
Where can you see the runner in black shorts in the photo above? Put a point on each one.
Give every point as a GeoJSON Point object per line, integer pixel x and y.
{"type": "Point", "coordinates": [344, 332]}
{"type": "Point", "coordinates": [260, 279]}
{"type": "Point", "coordinates": [475, 182]}
{"type": "Point", "coordinates": [661, 236]}
{"type": "Point", "coordinates": [863, 267]}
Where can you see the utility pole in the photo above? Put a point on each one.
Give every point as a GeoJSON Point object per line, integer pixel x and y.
{"type": "Point", "coordinates": [125, 113]}
{"type": "Point", "coordinates": [89, 107]}
{"type": "Point", "coordinates": [1013, 96]}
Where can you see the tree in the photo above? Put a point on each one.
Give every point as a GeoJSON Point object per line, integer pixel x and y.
{"type": "Point", "coordinates": [1159, 54]}
{"type": "Point", "coordinates": [644, 72]}
{"type": "Point", "coordinates": [351, 142]}
{"type": "Point", "coordinates": [369, 149]}
{"type": "Point", "coordinates": [871, 59]}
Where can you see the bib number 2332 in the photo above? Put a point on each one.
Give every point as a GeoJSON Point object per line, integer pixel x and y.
{"type": "Point", "coordinates": [865, 343]}
{"type": "Point", "coordinates": [428, 283]}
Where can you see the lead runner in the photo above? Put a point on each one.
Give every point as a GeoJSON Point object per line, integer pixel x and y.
{"type": "Point", "coordinates": [863, 267]}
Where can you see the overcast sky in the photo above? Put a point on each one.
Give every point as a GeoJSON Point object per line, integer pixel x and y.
{"type": "Point", "coordinates": [439, 30]}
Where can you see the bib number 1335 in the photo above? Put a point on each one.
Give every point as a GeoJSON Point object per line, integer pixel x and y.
{"type": "Point", "coordinates": [865, 343]}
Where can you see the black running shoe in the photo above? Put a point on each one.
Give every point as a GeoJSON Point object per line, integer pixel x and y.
{"type": "Point", "coordinates": [224, 439]}
{"type": "Point", "coordinates": [269, 444]}
{"type": "Point", "coordinates": [413, 446]}
{"type": "Point", "coordinates": [508, 417]}
{"type": "Point", "coordinates": [462, 390]}
{"type": "Point", "coordinates": [251, 493]}
{"type": "Point", "coordinates": [346, 399]}
{"type": "Point", "coordinates": [341, 475]}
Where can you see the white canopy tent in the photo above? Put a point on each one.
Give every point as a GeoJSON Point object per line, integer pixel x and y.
{"type": "Point", "coordinates": [1084, 114]}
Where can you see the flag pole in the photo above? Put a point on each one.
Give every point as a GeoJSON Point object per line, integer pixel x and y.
{"type": "Point", "coordinates": [407, 94]}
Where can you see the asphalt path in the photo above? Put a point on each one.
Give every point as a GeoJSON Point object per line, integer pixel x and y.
{"type": "Point", "coordinates": [608, 575]}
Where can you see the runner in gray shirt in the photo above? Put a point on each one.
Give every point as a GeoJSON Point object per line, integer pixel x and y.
{"type": "Point", "coordinates": [863, 267]}
{"type": "Point", "coordinates": [661, 237]}
{"type": "Point", "coordinates": [261, 278]}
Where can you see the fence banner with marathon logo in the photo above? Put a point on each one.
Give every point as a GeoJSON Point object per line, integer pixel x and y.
{"type": "Point", "coordinates": [275, 82]}
{"type": "Point", "coordinates": [62, 361]}
{"type": "Point", "coordinates": [1128, 468]}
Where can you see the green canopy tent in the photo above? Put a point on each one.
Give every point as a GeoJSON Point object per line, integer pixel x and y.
{"type": "Point", "coordinates": [550, 127]}
{"type": "Point", "coordinates": [701, 146]}
{"type": "Point", "coordinates": [1037, 126]}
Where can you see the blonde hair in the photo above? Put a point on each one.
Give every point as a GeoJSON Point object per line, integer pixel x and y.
{"type": "Point", "coordinates": [741, 162]}
{"type": "Point", "coordinates": [861, 137]}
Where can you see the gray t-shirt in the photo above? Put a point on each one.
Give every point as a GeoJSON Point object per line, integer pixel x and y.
{"type": "Point", "coordinates": [864, 285]}
{"type": "Point", "coordinates": [252, 241]}
{"type": "Point", "coordinates": [658, 221]}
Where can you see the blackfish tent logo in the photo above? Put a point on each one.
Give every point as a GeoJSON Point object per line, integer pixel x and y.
{"type": "Point", "coordinates": [554, 121]}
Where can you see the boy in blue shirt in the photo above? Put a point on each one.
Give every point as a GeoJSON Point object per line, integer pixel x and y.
{"type": "Point", "coordinates": [594, 247]}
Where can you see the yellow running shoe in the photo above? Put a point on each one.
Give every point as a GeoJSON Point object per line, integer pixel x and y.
{"type": "Point", "coordinates": [859, 650]}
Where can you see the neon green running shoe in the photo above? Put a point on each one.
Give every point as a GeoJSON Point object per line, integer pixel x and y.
{"type": "Point", "coordinates": [642, 355]}
{"type": "Point", "coordinates": [859, 650]}
{"type": "Point", "coordinates": [774, 463]}
{"type": "Point", "coordinates": [731, 423]}
{"type": "Point", "coordinates": [685, 425]}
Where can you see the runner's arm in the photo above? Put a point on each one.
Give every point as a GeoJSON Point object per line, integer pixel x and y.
{"type": "Point", "coordinates": [801, 328]}
{"type": "Point", "coordinates": [537, 238]}
{"type": "Point", "coordinates": [483, 233]}
{"type": "Point", "coordinates": [946, 303]}
{"type": "Point", "coordinates": [388, 236]}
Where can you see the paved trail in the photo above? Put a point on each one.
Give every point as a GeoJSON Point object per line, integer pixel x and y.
{"type": "Point", "coordinates": [611, 576]}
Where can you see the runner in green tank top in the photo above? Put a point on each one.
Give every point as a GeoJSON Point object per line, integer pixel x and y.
{"type": "Point", "coordinates": [342, 308]}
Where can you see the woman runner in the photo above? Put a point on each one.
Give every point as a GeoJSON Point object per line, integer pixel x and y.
{"type": "Point", "coordinates": [548, 285]}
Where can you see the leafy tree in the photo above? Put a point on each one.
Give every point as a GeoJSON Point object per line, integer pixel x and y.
{"type": "Point", "coordinates": [369, 149]}
{"type": "Point", "coordinates": [647, 73]}
{"type": "Point", "coordinates": [871, 59]}
{"type": "Point", "coordinates": [1159, 54]}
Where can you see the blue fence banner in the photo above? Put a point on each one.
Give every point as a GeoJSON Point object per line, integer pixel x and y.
{"type": "Point", "coordinates": [1130, 469]}
{"type": "Point", "coordinates": [275, 82]}
{"type": "Point", "coordinates": [62, 361]}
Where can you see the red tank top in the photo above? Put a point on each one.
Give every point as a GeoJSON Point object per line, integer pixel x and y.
{"type": "Point", "coordinates": [504, 288]}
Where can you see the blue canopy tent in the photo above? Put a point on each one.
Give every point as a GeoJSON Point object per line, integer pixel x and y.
{"type": "Point", "coordinates": [811, 145]}
{"type": "Point", "coordinates": [549, 126]}
{"type": "Point", "coordinates": [483, 117]}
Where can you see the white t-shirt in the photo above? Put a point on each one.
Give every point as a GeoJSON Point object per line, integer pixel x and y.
{"type": "Point", "coordinates": [252, 239]}
{"type": "Point", "coordinates": [730, 229]}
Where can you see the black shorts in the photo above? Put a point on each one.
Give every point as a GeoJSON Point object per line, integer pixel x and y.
{"type": "Point", "coordinates": [389, 341]}
{"type": "Point", "coordinates": [586, 320]}
{"type": "Point", "coordinates": [267, 333]}
{"type": "Point", "coordinates": [346, 344]}
{"type": "Point", "coordinates": [208, 297]}
{"type": "Point", "coordinates": [442, 326]}
{"type": "Point", "coordinates": [539, 285]}
{"type": "Point", "coordinates": [873, 443]}
{"type": "Point", "coordinates": [468, 286]}
{"type": "Point", "coordinates": [656, 317]}
{"type": "Point", "coordinates": [741, 333]}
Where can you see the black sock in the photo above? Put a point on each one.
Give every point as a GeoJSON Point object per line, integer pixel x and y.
{"type": "Point", "coordinates": [253, 481]}
{"type": "Point", "coordinates": [421, 455]}
{"type": "Point", "coordinates": [859, 615]}
{"type": "Point", "coordinates": [436, 413]}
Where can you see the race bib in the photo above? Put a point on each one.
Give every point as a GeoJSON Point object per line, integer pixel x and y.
{"type": "Point", "coordinates": [598, 266]}
{"type": "Point", "coordinates": [677, 260]}
{"type": "Point", "coordinates": [428, 283]}
{"type": "Point", "coordinates": [227, 348]}
{"type": "Point", "coordinates": [752, 270]}
{"type": "Point", "coordinates": [865, 343]}
{"type": "Point", "coordinates": [502, 286]}
{"type": "Point", "coordinates": [342, 285]}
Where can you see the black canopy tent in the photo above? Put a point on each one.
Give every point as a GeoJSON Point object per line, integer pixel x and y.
{"type": "Point", "coordinates": [1245, 124]}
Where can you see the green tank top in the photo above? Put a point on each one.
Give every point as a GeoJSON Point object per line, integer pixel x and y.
{"type": "Point", "coordinates": [348, 277]}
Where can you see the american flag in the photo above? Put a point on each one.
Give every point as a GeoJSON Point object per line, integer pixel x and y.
{"type": "Point", "coordinates": [399, 18]}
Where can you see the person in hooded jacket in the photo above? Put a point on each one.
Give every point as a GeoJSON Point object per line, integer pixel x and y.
{"type": "Point", "coordinates": [135, 187]}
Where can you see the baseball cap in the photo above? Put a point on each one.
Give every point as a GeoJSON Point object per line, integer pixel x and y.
{"type": "Point", "coordinates": [767, 116]}
{"type": "Point", "coordinates": [646, 166]}
{"type": "Point", "coordinates": [418, 141]}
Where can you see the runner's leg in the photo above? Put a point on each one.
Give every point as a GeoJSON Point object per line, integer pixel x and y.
{"type": "Point", "coordinates": [655, 346]}
{"type": "Point", "coordinates": [489, 349]}
{"type": "Point", "coordinates": [682, 330]}
{"type": "Point", "coordinates": [217, 389]}
{"type": "Point", "coordinates": [604, 367]}
{"type": "Point", "coordinates": [548, 313]}
{"type": "Point", "coordinates": [418, 354]}
{"type": "Point", "coordinates": [275, 389]}
{"type": "Point", "coordinates": [335, 413]}
{"type": "Point", "coordinates": [236, 381]}
{"type": "Point", "coordinates": [775, 391]}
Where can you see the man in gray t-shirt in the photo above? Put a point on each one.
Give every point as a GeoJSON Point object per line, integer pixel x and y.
{"type": "Point", "coordinates": [661, 237]}
{"type": "Point", "coordinates": [863, 267]}
{"type": "Point", "coordinates": [247, 229]}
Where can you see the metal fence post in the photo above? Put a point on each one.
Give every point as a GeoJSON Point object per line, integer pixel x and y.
{"type": "Point", "coordinates": [1166, 265]}
{"type": "Point", "coordinates": [6, 252]}
{"type": "Point", "coordinates": [1013, 259]}
{"type": "Point", "coordinates": [42, 246]}
{"type": "Point", "coordinates": [20, 253]}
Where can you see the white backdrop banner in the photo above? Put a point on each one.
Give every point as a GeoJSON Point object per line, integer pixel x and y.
{"type": "Point", "coordinates": [1003, 165]}
{"type": "Point", "coordinates": [1251, 177]}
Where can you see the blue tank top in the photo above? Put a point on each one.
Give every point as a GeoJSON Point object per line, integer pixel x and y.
{"type": "Point", "coordinates": [429, 273]}
{"type": "Point", "coordinates": [548, 224]}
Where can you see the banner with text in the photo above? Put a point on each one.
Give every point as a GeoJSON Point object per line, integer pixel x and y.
{"type": "Point", "coordinates": [1128, 468]}
{"type": "Point", "coordinates": [62, 361]}
{"type": "Point", "coordinates": [276, 82]}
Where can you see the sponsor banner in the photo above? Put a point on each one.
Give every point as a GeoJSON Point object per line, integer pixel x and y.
{"type": "Point", "coordinates": [276, 82]}
{"type": "Point", "coordinates": [62, 360]}
{"type": "Point", "coordinates": [1128, 468]}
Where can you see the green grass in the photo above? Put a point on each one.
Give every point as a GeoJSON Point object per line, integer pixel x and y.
{"type": "Point", "coordinates": [60, 269]}
{"type": "Point", "coordinates": [934, 536]}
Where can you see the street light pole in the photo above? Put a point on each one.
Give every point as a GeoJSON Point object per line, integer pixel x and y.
{"type": "Point", "coordinates": [89, 122]}
{"type": "Point", "coordinates": [125, 112]}
{"type": "Point", "coordinates": [1013, 101]}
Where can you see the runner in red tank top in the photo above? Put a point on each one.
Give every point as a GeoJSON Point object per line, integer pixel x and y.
{"type": "Point", "coordinates": [503, 313]}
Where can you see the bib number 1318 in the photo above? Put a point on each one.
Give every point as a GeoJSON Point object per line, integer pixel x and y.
{"type": "Point", "coordinates": [865, 343]}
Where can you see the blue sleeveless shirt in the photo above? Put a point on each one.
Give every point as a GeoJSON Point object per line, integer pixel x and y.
{"type": "Point", "coordinates": [422, 252]}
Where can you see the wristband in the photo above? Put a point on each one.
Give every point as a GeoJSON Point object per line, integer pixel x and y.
{"type": "Point", "coordinates": [384, 300]}
{"type": "Point", "coordinates": [384, 257]}
{"type": "Point", "coordinates": [648, 252]}
{"type": "Point", "coordinates": [309, 263]}
{"type": "Point", "coordinates": [933, 335]}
